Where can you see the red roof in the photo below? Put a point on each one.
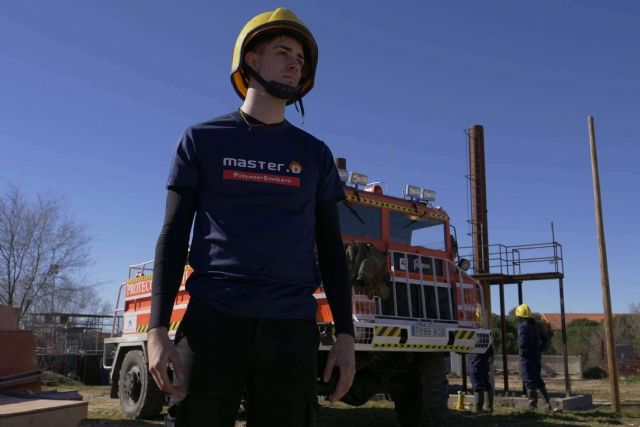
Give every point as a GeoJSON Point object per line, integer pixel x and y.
{"type": "Point", "coordinates": [553, 319]}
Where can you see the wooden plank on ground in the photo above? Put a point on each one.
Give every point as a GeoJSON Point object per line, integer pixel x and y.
{"type": "Point", "coordinates": [39, 412]}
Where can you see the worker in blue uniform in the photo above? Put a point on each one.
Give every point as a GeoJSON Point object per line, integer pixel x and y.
{"type": "Point", "coordinates": [480, 367]}
{"type": "Point", "coordinates": [532, 341]}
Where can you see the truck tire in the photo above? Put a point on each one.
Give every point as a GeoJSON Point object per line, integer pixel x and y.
{"type": "Point", "coordinates": [421, 394]}
{"type": "Point", "coordinates": [139, 395]}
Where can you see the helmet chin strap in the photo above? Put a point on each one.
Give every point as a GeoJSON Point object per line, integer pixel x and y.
{"type": "Point", "coordinates": [279, 90]}
{"type": "Point", "coordinates": [275, 89]}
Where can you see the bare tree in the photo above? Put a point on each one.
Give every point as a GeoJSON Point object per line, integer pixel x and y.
{"type": "Point", "coordinates": [41, 249]}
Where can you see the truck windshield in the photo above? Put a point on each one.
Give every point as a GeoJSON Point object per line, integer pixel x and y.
{"type": "Point", "coordinates": [410, 229]}
{"type": "Point", "coordinates": [351, 225]}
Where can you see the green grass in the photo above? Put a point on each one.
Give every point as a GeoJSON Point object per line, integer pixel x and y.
{"type": "Point", "coordinates": [49, 376]}
{"type": "Point", "coordinates": [104, 412]}
{"type": "Point", "coordinates": [381, 414]}
{"type": "Point", "coordinates": [631, 379]}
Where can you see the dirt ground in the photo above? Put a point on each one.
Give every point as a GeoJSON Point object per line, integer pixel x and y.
{"type": "Point", "coordinates": [104, 411]}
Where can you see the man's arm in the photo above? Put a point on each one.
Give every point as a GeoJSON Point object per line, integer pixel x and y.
{"type": "Point", "coordinates": [168, 268]}
{"type": "Point", "coordinates": [333, 269]}
{"type": "Point", "coordinates": [544, 340]}
{"type": "Point", "coordinates": [490, 354]}
{"type": "Point", "coordinates": [522, 338]}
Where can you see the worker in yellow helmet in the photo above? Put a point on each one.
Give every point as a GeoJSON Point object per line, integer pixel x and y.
{"type": "Point", "coordinates": [479, 371]}
{"type": "Point", "coordinates": [264, 195]}
{"type": "Point", "coordinates": [532, 341]}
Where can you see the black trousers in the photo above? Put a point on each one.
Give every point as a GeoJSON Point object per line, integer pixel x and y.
{"type": "Point", "coordinates": [531, 374]}
{"type": "Point", "coordinates": [271, 362]}
{"type": "Point", "coordinates": [480, 380]}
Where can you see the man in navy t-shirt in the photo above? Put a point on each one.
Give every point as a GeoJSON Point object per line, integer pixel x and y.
{"type": "Point", "coordinates": [264, 196]}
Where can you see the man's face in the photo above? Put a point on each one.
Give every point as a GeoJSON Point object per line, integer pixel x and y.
{"type": "Point", "coordinates": [279, 60]}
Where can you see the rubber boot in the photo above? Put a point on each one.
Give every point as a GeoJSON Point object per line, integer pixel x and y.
{"type": "Point", "coordinates": [545, 395]}
{"type": "Point", "coordinates": [478, 401]}
{"type": "Point", "coordinates": [488, 401]}
{"type": "Point", "coordinates": [533, 399]}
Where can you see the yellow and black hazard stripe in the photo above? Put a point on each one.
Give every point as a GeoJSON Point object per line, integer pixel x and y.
{"type": "Point", "coordinates": [394, 332]}
{"type": "Point", "coordinates": [388, 331]}
{"type": "Point", "coordinates": [424, 214]}
{"type": "Point", "coordinates": [465, 335]}
{"type": "Point", "coordinates": [145, 328]}
{"type": "Point", "coordinates": [444, 347]}
{"type": "Point", "coordinates": [139, 279]}
{"type": "Point", "coordinates": [174, 325]}
{"type": "Point", "coordinates": [461, 335]}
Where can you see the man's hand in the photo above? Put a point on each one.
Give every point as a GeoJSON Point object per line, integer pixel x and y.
{"type": "Point", "coordinates": [343, 357]}
{"type": "Point", "coordinates": [162, 352]}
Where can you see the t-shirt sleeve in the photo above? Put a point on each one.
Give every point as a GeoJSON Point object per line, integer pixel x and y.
{"type": "Point", "coordinates": [329, 185]}
{"type": "Point", "coordinates": [184, 169]}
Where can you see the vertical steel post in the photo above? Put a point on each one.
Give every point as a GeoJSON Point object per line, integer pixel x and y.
{"type": "Point", "coordinates": [555, 247]}
{"type": "Point", "coordinates": [565, 357]}
{"type": "Point", "coordinates": [479, 217]}
{"type": "Point", "coordinates": [519, 293]}
{"type": "Point", "coordinates": [478, 193]}
{"type": "Point", "coordinates": [505, 366]}
{"type": "Point", "coordinates": [604, 274]}
{"type": "Point", "coordinates": [463, 361]}
{"type": "Point", "coordinates": [520, 301]}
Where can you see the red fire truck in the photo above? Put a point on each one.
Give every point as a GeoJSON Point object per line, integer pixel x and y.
{"type": "Point", "coordinates": [430, 306]}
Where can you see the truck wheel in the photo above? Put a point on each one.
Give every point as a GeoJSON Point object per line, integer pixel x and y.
{"type": "Point", "coordinates": [421, 394]}
{"type": "Point", "coordinates": [139, 395]}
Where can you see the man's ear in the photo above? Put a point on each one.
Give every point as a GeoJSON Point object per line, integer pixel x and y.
{"type": "Point", "coordinates": [251, 59]}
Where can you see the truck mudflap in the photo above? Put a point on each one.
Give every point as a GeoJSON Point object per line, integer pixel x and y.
{"type": "Point", "coordinates": [370, 336]}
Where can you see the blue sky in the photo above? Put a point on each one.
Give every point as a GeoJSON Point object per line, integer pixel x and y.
{"type": "Point", "coordinates": [94, 94]}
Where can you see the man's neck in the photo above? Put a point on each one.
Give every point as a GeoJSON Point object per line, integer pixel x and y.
{"type": "Point", "coordinates": [264, 107]}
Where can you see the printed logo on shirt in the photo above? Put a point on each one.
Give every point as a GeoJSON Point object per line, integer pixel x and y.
{"type": "Point", "coordinates": [253, 164]}
{"type": "Point", "coordinates": [295, 167]}
{"type": "Point", "coordinates": [261, 177]}
{"type": "Point", "coordinates": [261, 165]}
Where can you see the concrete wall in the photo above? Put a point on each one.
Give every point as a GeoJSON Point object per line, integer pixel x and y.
{"type": "Point", "coordinates": [552, 366]}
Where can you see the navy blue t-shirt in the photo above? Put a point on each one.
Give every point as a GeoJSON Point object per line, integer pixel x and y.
{"type": "Point", "coordinates": [253, 242]}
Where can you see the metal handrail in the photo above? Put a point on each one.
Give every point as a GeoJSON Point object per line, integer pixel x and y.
{"type": "Point", "coordinates": [513, 259]}
{"type": "Point", "coordinates": [117, 310]}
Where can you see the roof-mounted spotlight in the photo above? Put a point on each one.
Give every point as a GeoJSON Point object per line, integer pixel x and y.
{"type": "Point", "coordinates": [356, 179]}
{"type": "Point", "coordinates": [413, 192]}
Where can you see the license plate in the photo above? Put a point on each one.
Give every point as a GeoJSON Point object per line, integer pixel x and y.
{"type": "Point", "coordinates": [427, 331]}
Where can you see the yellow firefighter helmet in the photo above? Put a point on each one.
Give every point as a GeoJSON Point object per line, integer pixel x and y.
{"type": "Point", "coordinates": [283, 20]}
{"type": "Point", "coordinates": [523, 310]}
